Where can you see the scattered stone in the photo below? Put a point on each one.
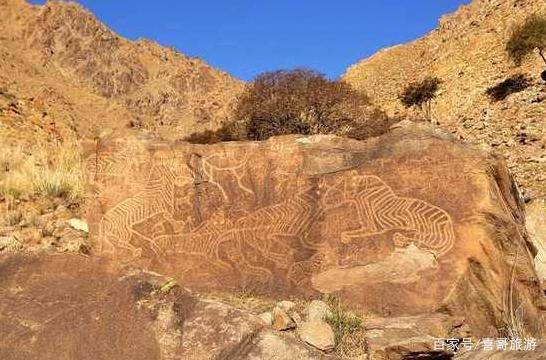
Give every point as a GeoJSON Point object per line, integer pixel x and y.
{"type": "Point", "coordinates": [296, 317]}
{"type": "Point", "coordinates": [60, 229]}
{"type": "Point", "coordinates": [274, 345]}
{"type": "Point", "coordinates": [281, 320]}
{"type": "Point", "coordinates": [48, 229]}
{"type": "Point", "coordinates": [48, 242]}
{"type": "Point", "coordinates": [62, 212]}
{"type": "Point", "coordinates": [317, 334]}
{"type": "Point", "coordinates": [79, 224]}
{"type": "Point", "coordinates": [286, 305]}
{"type": "Point", "coordinates": [317, 310]}
{"type": "Point", "coordinates": [30, 235]}
{"type": "Point", "coordinates": [266, 318]}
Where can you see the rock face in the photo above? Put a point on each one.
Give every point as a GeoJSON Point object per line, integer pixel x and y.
{"type": "Point", "coordinates": [466, 51]}
{"type": "Point", "coordinates": [396, 337]}
{"type": "Point", "coordinates": [71, 307]}
{"type": "Point", "coordinates": [537, 354]}
{"type": "Point", "coordinates": [405, 224]}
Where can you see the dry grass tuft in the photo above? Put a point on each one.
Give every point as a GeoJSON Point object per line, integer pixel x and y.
{"type": "Point", "coordinates": [56, 173]}
{"type": "Point", "coordinates": [516, 324]}
{"type": "Point", "coordinates": [12, 217]}
{"type": "Point", "coordinates": [348, 329]}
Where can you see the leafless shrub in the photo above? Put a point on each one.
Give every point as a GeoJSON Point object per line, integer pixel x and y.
{"type": "Point", "coordinates": [299, 101]}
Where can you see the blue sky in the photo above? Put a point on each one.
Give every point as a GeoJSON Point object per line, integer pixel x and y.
{"type": "Point", "coordinates": [246, 37]}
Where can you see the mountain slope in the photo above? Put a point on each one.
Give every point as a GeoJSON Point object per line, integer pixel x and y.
{"type": "Point", "coordinates": [59, 60]}
{"type": "Point", "coordinates": [466, 52]}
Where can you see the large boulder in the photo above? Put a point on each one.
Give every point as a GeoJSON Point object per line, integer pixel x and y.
{"type": "Point", "coordinates": [409, 223]}
{"type": "Point", "coordinates": [73, 307]}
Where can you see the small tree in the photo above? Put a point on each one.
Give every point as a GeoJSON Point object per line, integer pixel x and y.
{"type": "Point", "coordinates": [420, 94]}
{"type": "Point", "coordinates": [527, 37]}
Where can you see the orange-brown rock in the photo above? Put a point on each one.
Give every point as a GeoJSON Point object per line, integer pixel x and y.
{"type": "Point", "coordinates": [409, 223]}
{"type": "Point", "coordinates": [538, 354]}
{"type": "Point", "coordinates": [64, 307]}
{"type": "Point", "coordinates": [536, 226]}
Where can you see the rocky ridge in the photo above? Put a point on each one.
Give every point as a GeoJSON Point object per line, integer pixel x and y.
{"type": "Point", "coordinates": [77, 74]}
{"type": "Point", "coordinates": [466, 51]}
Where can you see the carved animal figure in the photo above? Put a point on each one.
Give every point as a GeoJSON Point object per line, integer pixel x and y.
{"type": "Point", "coordinates": [270, 234]}
{"type": "Point", "coordinates": [116, 226]}
{"type": "Point", "coordinates": [380, 210]}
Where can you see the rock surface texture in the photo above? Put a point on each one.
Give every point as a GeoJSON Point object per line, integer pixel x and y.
{"type": "Point", "coordinates": [536, 225]}
{"type": "Point", "coordinates": [64, 307]}
{"type": "Point", "coordinates": [409, 223]}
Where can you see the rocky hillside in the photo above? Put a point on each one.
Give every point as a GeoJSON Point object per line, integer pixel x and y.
{"type": "Point", "coordinates": [466, 52]}
{"type": "Point", "coordinates": [67, 72]}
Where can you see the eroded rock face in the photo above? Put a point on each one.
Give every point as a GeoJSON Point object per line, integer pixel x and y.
{"type": "Point", "coordinates": [73, 307]}
{"type": "Point", "coordinates": [405, 224]}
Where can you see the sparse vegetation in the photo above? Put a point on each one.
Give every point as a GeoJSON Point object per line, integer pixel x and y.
{"type": "Point", "coordinates": [348, 328]}
{"type": "Point", "coordinates": [513, 84]}
{"type": "Point", "coordinates": [514, 324]}
{"type": "Point", "coordinates": [58, 173]}
{"type": "Point", "coordinates": [526, 38]}
{"type": "Point", "coordinates": [420, 94]}
{"type": "Point", "coordinates": [12, 217]}
{"type": "Point", "coordinates": [298, 101]}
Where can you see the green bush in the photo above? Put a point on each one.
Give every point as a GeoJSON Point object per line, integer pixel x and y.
{"type": "Point", "coordinates": [348, 327]}
{"type": "Point", "coordinates": [527, 37]}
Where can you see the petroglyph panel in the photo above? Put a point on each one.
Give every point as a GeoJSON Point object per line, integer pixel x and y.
{"type": "Point", "coordinates": [387, 227]}
{"type": "Point", "coordinates": [379, 210]}
{"type": "Point", "coordinates": [258, 220]}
